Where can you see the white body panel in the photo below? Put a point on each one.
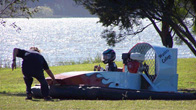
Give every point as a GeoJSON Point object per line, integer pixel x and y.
{"type": "Point", "coordinates": [121, 80]}
{"type": "Point", "coordinates": [165, 60]}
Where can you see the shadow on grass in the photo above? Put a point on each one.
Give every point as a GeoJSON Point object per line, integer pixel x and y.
{"type": "Point", "coordinates": [191, 90]}
{"type": "Point", "coordinates": [12, 94]}
{"type": "Point", "coordinates": [4, 93]}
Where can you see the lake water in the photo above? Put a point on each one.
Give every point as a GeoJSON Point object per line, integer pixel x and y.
{"type": "Point", "coordinates": [68, 39]}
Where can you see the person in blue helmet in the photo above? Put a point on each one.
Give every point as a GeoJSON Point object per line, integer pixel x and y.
{"type": "Point", "coordinates": [108, 58]}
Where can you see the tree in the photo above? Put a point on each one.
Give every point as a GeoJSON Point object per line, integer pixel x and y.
{"type": "Point", "coordinates": [15, 8]}
{"type": "Point", "coordinates": [127, 15]}
{"type": "Point", "coordinates": [43, 11]}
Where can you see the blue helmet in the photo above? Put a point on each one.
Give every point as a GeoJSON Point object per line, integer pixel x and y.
{"type": "Point", "coordinates": [108, 56]}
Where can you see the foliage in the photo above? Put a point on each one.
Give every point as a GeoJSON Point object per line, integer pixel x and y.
{"type": "Point", "coordinates": [15, 8]}
{"type": "Point", "coordinates": [43, 11]}
{"type": "Point", "coordinates": [194, 28]}
{"type": "Point", "coordinates": [127, 15]}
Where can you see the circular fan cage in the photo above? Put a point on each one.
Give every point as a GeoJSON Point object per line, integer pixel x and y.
{"type": "Point", "coordinates": [148, 65]}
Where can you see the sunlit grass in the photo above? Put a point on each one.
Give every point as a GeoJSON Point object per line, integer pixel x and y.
{"type": "Point", "coordinates": [12, 92]}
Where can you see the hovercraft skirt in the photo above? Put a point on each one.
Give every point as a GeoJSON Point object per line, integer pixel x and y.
{"type": "Point", "coordinates": [93, 93]}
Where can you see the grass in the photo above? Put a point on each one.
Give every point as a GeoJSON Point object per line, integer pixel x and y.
{"type": "Point", "coordinates": [12, 92]}
{"type": "Point", "coordinates": [187, 73]}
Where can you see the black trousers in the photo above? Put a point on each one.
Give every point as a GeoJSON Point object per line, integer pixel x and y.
{"type": "Point", "coordinates": [28, 78]}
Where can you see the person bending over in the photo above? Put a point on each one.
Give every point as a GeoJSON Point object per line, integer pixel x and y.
{"type": "Point", "coordinates": [32, 66]}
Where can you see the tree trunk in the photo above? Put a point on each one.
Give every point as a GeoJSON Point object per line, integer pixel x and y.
{"type": "Point", "coordinates": [166, 35]}
{"type": "Point", "coordinates": [190, 42]}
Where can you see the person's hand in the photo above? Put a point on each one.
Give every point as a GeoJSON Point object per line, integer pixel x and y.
{"type": "Point", "coordinates": [54, 82]}
{"type": "Point", "coordinates": [13, 65]}
{"type": "Point", "coordinates": [95, 67]}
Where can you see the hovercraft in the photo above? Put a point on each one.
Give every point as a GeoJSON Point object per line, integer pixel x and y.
{"type": "Point", "coordinates": [149, 72]}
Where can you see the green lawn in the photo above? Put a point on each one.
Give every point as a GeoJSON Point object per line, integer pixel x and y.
{"type": "Point", "coordinates": [12, 92]}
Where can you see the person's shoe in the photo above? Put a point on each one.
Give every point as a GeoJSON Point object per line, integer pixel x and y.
{"type": "Point", "coordinates": [29, 97]}
{"type": "Point", "coordinates": [48, 98]}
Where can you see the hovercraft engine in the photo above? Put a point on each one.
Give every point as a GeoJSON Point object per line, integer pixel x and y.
{"type": "Point", "coordinates": [157, 66]}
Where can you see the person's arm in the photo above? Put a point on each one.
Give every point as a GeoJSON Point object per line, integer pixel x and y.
{"type": "Point", "coordinates": [49, 72]}
{"type": "Point", "coordinates": [15, 52]}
